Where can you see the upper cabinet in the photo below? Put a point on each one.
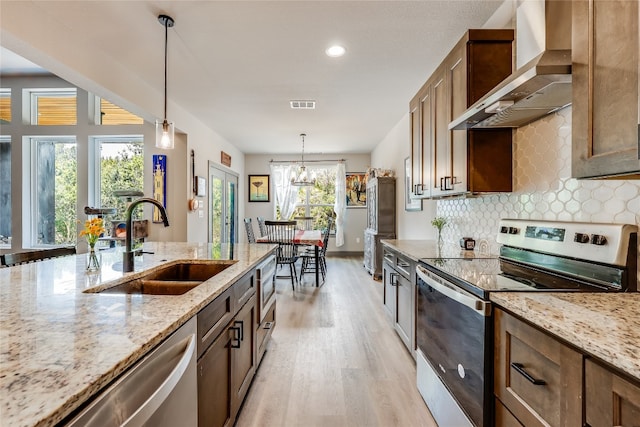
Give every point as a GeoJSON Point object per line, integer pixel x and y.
{"type": "Point", "coordinates": [451, 162]}
{"type": "Point", "coordinates": [605, 89]}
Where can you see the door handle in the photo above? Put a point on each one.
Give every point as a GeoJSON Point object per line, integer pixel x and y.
{"type": "Point", "coordinates": [393, 276]}
{"type": "Point", "coordinates": [236, 337]}
{"type": "Point", "coordinates": [160, 395]}
{"type": "Point", "coordinates": [241, 328]}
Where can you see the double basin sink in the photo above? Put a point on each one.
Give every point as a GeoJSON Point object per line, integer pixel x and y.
{"type": "Point", "coordinates": [175, 279]}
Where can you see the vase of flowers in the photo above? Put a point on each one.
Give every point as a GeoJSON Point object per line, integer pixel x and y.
{"type": "Point", "coordinates": [93, 229]}
{"type": "Point", "coordinates": [439, 223]}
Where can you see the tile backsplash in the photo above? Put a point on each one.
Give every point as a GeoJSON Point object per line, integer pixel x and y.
{"type": "Point", "coordinates": [543, 189]}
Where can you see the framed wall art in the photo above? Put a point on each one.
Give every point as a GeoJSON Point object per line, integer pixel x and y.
{"type": "Point", "coordinates": [259, 188]}
{"type": "Point", "coordinates": [356, 190]}
{"type": "Point", "coordinates": [159, 184]}
{"type": "Point", "coordinates": [409, 203]}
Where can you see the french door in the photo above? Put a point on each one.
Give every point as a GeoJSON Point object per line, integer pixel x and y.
{"type": "Point", "coordinates": [223, 205]}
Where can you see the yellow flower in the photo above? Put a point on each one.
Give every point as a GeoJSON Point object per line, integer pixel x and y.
{"type": "Point", "coordinates": [93, 229]}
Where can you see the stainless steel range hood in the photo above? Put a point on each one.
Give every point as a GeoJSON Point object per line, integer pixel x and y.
{"type": "Point", "coordinates": [540, 87]}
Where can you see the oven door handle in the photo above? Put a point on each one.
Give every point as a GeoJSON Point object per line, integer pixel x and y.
{"type": "Point", "coordinates": [458, 295]}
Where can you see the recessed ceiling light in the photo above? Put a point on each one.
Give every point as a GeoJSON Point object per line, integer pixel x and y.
{"type": "Point", "coordinates": [335, 51]}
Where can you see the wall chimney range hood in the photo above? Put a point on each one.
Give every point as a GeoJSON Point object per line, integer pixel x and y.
{"type": "Point", "coordinates": [538, 88]}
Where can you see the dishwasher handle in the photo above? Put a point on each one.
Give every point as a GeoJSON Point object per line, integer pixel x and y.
{"type": "Point", "coordinates": [157, 398]}
{"type": "Point", "coordinates": [456, 294]}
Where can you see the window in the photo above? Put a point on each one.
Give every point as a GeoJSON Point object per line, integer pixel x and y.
{"type": "Point", "coordinates": [121, 168]}
{"type": "Point", "coordinates": [111, 114]}
{"type": "Point", "coordinates": [53, 106]}
{"type": "Point", "coordinates": [54, 190]}
{"type": "Point", "coordinates": [5, 106]}
{"type": "Point", "coordinates": [317, 201]}
{"type": "Point", "coordinates": [5, 192]}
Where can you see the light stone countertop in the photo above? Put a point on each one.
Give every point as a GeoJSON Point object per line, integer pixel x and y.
{"type": "Point", "coordinates": [59, 346]}
{"type": "Point", "coordinates": [417, 249]}
{"type": "Point", "coordinates": [604, 325]}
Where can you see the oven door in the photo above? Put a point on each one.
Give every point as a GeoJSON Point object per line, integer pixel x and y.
{"type": "Point", "coordinates": [454, 333]}
{"type": "Point", "coordinates": [266, 286]}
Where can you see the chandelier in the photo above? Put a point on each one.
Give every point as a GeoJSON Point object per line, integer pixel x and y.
{"type": "Point", "coordinates": [302, 178]}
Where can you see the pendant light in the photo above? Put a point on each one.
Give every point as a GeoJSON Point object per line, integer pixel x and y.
{"type": "Point", "coordinates": [165, 129]}
{"type": "Point", "coordinates": [302, 179]}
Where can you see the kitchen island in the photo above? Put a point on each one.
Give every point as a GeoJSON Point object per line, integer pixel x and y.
{"type": "Point", "coordinates": [60, 345]}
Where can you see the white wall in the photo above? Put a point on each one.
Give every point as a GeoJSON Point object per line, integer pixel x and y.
{"type": "Point", "coordinates": [355, 219]}
{"type": "Point", "coordinates": [43, 41]}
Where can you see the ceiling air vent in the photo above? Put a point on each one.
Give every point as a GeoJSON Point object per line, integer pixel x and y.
{"type": "Point", "coordinates": [303, 105]}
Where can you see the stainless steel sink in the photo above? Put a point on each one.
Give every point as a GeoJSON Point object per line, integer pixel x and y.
{"type": "Point", "coordinates": [175, 279]}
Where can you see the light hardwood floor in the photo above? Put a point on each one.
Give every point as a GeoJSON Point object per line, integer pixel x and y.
{"type": "Point", "coordinates": [334, 359]}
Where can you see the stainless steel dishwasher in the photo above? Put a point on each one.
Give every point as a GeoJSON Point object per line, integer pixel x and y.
{"type": "Point", "coordinates": [160, 390]}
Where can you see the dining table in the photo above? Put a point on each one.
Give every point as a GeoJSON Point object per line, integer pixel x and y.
{"type": "Point", "coordinates": [304, 238]}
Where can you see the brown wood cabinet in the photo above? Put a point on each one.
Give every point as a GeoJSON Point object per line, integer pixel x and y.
{"type": "Point", "coordinates": [243, 361]}
{"type": "Point", "coordinates": [611, 400]}
{"type": "Point", "coordinates": [264, 331]}
{"type": "Point", "coordinates": [604, 131]}
{"type": "Point", "coordinates": [227, 352]}
{"type": "Point", "coordinates": [400, 295]}
{"type": "Point", "coordinates": [537, 378]}
{"type": "Point", "coordinates": [381, 221]}
{"type": "Point", "coordinates": [450, 162]}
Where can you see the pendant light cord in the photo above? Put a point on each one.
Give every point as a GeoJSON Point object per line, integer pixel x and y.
{"type": "Point", "coordinates": [166, 40]}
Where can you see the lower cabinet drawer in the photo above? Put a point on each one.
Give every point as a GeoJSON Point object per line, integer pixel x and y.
{"type": "Point", "coordinates": [265, 329]}
{"type": "Point", "coordinates": [537, 377]}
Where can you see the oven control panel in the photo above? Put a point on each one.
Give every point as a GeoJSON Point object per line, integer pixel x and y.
{"type": "Point", "coordinates": [606, 243]}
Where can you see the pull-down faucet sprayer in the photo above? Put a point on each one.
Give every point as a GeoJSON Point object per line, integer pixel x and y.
{"type": "Point", "coordinates": [128, 255]}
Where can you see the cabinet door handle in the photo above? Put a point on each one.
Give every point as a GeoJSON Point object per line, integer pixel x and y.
{"type": "Point", "coordinates": [236, 337]}
{"type": "Point", "coordinates": [241, 328]}
{"type": "Point", "coordinates": [393, 276]}
{"type": "Point", "coordinates": [520, 369]}
{"type": "Point", "coordinates": [441, 184]}
{"type": "Point", "coordinates": [448, 183]}
{"type": "Point", "coordinates": [268, 325]}
{"type": "Point", "coordinates": [417, 189]}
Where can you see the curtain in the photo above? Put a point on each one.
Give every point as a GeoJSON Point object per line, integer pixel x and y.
{"type": "Point", "coordinates": [286, 194]}
{"type": "Point", "coordinates": [340, 206]}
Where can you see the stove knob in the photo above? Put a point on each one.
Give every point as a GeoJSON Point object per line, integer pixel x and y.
{"type": "Point", "coordinates": [598, 239]}
{"type": "Point", "coordinates": [504, 229]}
{"type": "Point", "coordinates": [513, 230]}
{"type": "Point", "coordinates": [581, 238]}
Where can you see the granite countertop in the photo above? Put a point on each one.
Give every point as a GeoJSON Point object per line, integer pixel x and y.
{"type": "Point", "coordinates": [417, 249]}
{"type": "Point", "coordinates": [604, 325]}
{"type": "Point", "coordinates": [59, 346]}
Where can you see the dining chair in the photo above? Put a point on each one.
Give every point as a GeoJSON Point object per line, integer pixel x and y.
{"type": "Point", "coordinates": [261, 228]}
{"type": "Point", "coordinates": [249, 229]}
{"type": "Point", "coordinates": [282, 233]}
{"type": "Point", "coordinates": [309, 256]}
{"type": "Point", "coordinates": [304, 222]}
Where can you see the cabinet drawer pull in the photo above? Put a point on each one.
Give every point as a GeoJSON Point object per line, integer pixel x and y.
{"type": "Point", "coordinates": [268, 325]}
{"type": "Point", "coordinates": [520, 369]}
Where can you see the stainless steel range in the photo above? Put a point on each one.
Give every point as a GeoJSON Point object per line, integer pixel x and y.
{"type": "Point", "coordinates": [454, 322]}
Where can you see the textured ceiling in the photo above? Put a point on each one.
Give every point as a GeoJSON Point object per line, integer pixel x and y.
{"type": "Point", "coordinates": [236, 64]}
